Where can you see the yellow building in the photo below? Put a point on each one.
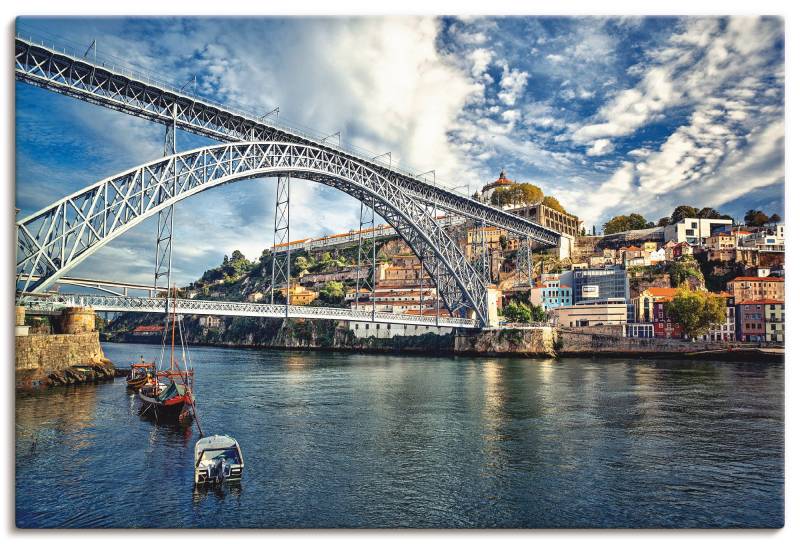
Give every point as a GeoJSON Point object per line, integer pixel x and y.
{"type": "Point", "coordinates": [299, 295]}
{"type": "Point", "coordinates": [476, 236]}
{"type": "Point", "coordinates": [649, 247]}
{"type": "Point", "coordinates": [774, 320]}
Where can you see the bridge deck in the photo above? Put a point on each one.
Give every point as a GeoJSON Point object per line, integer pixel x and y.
{"type": "Point", "coordinates": [240, 309]}
{"type": "Point", "coordinates": [136, 94]}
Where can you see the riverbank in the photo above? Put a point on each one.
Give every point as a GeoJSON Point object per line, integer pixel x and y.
{"type": "Point", "coordinates": [533, 342]}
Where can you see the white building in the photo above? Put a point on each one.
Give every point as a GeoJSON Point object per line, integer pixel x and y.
{"type": "Point", "coordinates": [613, 311]}
{"type": "Point", "coordinates": [764, 241]}
{"type": "Point", "coordinates": [693, 230]}
{"type": "Point", "coordinates": [389, 330]}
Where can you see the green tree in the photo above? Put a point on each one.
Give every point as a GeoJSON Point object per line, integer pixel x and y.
{"type": "Point", "coordinates": [538, 314]}
{"type": "Point", "coordinates": [332, 292]}
{"type": "Point", "coordinates": [683, 268]}
{"type": "Point", "coordinates": [708, 213]}
{"type": "Point", "coordinates": [552, 202]}
{"type": "Point", "coordinates": [663, 222]}
{"type": "Point", "coordinates": [529, 193]}
{"type": "Point", "coordinates": [755, 218]}
{"type": "Point", "coordinates": [774, 218]}
{"type": "Point", "coordinates": [622, 223]}
{"type": "Point", "coordinates": [682, 212]}
{"type": "Point", "coordinates": [517, 312]}
{"type": "Point", "coordinates": [301, 262]}
{"type": "Point", "coordinates": [696, 311]}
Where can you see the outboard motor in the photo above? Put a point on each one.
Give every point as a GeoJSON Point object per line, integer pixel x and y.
{"type": "Point", "coordinates": [219, 471]}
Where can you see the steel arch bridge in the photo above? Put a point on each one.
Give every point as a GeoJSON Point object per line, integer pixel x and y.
{"type": "Point", "coordinates": [55, 239]}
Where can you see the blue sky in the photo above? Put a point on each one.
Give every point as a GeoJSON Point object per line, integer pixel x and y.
{"type": "Point", "coordinates": [610, 115]}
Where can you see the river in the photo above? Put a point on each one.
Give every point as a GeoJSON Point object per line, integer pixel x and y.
{"type": "Point", "coordinates": [363, 440]}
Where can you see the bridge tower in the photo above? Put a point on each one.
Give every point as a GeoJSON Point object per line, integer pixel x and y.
{"type": "Point", "coordinates": [366, 253]}
{"type": "Point", "coordinates": [281, 260]}
{"type": "Point", "coordinates": [166, 217]}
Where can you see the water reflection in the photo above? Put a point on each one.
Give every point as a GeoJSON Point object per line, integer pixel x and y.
{"type": "Point", "coordinates": [354, 440]}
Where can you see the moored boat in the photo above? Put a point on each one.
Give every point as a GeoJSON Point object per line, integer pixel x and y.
{"type": "Point", "coordinates": [217, 459]}
{"type": "Point", "coordinates": [140, 374]}
{"type": "Point", "coordinates": [167, 394]}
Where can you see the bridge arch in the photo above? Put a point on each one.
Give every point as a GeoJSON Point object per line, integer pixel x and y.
{"type": "Point", "coordinates": [55, 239]}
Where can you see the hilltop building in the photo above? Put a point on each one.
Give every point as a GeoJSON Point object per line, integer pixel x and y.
{"type": "Point", "coordinates": [693, 229]}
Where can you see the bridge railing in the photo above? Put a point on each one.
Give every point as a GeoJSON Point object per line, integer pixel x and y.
{"type": "Point", "coordinates": [57, 44]}
{"type": "Point", "coordinates": [250, 309]}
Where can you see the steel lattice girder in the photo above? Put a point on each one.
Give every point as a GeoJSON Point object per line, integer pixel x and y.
{"type": "Point", "coordinates": [101, 303]}
{"type": "Point", "coordinates": [57, 238]}
{"type": "Point", "coordinates": [140, 96]}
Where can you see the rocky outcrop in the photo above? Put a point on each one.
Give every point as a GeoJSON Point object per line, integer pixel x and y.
{"type": "Point", "coordinates": [82, 374]}
{"type": "Point", "coordinates": [532, 342]}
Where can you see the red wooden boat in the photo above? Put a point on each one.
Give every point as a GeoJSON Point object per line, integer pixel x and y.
{"type": "Point", "coordinates": [168, 394]}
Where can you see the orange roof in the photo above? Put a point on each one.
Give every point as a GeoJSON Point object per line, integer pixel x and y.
{"type": "Point", "coordinates": [763, 301]}
{"type": "Point", "coordinates": [662, 291]}
{"type": "Point", "coordinates": [754, 278]}
{"type": "Point", "coordinates": [149, 328]}
{"type": "Point", "coordinates": [632, 248]}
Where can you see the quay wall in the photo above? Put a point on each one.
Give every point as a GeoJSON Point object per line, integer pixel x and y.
{"type": "Point", "coordinates": [74, 355]}
{"type": "Point", "coordinates": [607, 340]}
{"type": "Point", "coordinates": [52, 352]}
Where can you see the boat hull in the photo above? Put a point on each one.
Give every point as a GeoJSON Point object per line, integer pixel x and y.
{"type": "Point", "coordinates": [172, 408]}
{"type": "Point", "coordinates": [136, 383]}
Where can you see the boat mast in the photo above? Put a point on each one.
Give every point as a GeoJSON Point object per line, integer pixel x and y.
{"type": "Point", "coordinates": [172, 348]}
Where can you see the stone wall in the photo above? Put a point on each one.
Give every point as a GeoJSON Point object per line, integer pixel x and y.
{"type": "Point", "coordinates": [40, 355]}
{"type": "Point", "coordinates": [583, 342]}
{"type": "Point", "coordinates": [534, 342]}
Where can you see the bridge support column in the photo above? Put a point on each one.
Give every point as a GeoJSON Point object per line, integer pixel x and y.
{"type": "Point", "coordinates": [281, 260]}
{"type": "Point", "coordinates": [366, 253]}
{"type": "Point", "coordinates": [492, 318]}
{"type": "Point", "coordinates": [166, 217]}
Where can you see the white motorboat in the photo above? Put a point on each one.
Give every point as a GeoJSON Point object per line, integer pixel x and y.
{"type": "Point", "coordinates": [216, 459]}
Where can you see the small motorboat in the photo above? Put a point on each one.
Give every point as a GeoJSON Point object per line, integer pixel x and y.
{"type": "Point", "coordinates": [217, 459]}
{"type": "Point", "coordinates": [140, 374]}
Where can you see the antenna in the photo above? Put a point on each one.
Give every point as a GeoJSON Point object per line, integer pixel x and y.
{"type": "Point", "coordinates": [338, 135]}
{"type": "Point", "coordinates": [275, 110]}
{"type": "Point", "coordinates": [92, 46]}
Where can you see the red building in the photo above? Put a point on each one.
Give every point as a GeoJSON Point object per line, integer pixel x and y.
{"type": "Point", "coordinates": [750, 321]}
{"type": "Point", "coordinates": [148, 330]}
{"type": "Point", "coordinates": [663, 327]}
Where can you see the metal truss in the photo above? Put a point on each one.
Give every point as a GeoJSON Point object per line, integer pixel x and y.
{"type": "Point", "coordinates": [166, 222]}
{"type": "Point", "coordinates": [479, 252]}
{"type": "Point", "coordinates": [57, 238]}
{"type": "Point", "coordinates": [366, 253]}
{"type": "Point", "coordinates": [156, 101]}
{"type": "Point", "coordinates": [281, 260]}
{"type": "Point", "coordinates": [54, 303]}
{"type": "Point", "coordinates": [524, 263]}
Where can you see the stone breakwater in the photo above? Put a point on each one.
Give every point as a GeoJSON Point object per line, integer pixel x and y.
{"type": "Point", "coordinates": [46, 360]}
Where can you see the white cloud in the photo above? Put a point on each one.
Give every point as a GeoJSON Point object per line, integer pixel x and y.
{"type": "Point", "coordinates": [513, 83]}
{"type": "Point", "coordinates": [600, 147]}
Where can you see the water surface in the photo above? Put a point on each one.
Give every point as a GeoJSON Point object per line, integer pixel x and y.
{"type": "Point", "coordinates": [357, 440]}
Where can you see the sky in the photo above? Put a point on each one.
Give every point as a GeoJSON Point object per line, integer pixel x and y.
{"type": "Point", "coordinates": [609, 115]}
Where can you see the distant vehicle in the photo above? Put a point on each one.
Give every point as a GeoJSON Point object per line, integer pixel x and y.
{"type": "Point", "coordinates": [216, 459]}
